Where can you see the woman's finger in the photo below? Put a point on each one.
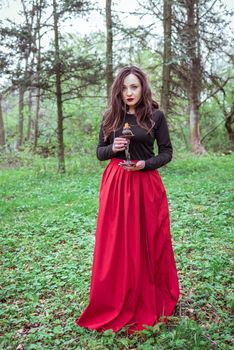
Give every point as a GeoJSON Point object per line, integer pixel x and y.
{"type": "Point", "coordinates": [119, 144]}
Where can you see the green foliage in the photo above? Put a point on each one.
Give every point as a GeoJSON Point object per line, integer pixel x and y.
{"type": "Point", "coordinates": [213, 115]}
{"type": "Point", "coordinates": [84, 97]}
{"type": "Point", "coordinates": [47, 225]}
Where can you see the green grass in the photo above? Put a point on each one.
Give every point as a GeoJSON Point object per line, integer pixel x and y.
{"type": "Point", "coordinates": [47, 239]}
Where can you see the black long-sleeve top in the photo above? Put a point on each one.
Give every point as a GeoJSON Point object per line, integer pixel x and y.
{"type": "Point", "coordinates": [142, 144]}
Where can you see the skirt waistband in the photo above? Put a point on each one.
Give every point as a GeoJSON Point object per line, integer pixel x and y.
{"type": "Point", "coordinates": [118, 160]}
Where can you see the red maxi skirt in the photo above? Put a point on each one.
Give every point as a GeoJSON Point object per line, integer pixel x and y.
{"type": "Point", "coordinates": [134, 277]}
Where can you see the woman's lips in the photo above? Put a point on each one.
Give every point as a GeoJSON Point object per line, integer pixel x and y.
{"type": "Point", "coordinates": [130, 99]}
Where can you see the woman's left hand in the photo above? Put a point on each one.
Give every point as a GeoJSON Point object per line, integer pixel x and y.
{"type": "Point", "coordinates": [139, 165]}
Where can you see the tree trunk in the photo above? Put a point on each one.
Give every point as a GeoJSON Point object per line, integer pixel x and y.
{"type": "Point", "coordinates": [36, 121]}
{"type": "Point", "coordinates": [166, 81]}
{"type": "Point", "coordinates": [61, 159]}
{"type": "Point", "coordinates": [29, 114]}
{"type": "Point", "coordinates": [38, 77]}
{"type": "Point", "coordinates": [109, 47]}
{"type": "Point", "coordinates": [2, 129]}
{"type": "Point", "coordinates": [195, 76]}
{"type": "Point", "coordinates": [228, 125]}
{"type": "Point", "coordinates": [21, 117]}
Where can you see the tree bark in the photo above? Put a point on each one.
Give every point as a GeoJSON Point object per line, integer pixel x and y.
{"type": "Point", "coordinates": [36, 121]}
{"type": "Point", "coordinates": [109, 47]}
{"type": "Point", "coordinates": [167, 56]}
{"type": "Point", "coordinates": [2, 129]}
{"type": "Point", "coordinates": [21, 117]}
{"type": "Point", "coordinates": [228, 125]}
{"type": "Point", "coordinates": [195, 85]}
{"type": "Point", "coordinates": [61, 158]}
{"type": "Point", "coordinates": [29, 114]}
{"type": "Point", "coordinates": [38, 77]}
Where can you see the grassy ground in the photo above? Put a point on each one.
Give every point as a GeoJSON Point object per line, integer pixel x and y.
{"type": "Point", "coordinates": [47, 239]}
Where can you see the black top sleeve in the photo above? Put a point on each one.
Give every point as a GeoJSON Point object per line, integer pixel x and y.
{"type": "Point", "coordinates": [104, 148]}
{"type": "Point", "coordinates": [165, 150]}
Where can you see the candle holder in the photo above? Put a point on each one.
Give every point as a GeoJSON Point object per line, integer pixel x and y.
{"type": "Point", "coordinates": [128, 134]}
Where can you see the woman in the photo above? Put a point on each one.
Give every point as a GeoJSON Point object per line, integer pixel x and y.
{"type": "Point", "coordinates": [134, 276]}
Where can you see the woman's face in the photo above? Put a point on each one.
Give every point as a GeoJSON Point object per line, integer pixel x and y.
{"type": "Point", "coordinates": [132, 91]}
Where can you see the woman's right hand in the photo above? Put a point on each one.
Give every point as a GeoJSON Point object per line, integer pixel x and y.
{"type": "Point", "coordinates": [119, 144]}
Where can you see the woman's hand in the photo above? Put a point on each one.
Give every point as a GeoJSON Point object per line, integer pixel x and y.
{"type": "Point", "coordinates": [119, 144]}
{"type": "Point", "coordinates": [139, 165]}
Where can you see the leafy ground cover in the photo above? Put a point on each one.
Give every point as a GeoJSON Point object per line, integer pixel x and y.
{"type": "Point", "coordinates": [47, 239]}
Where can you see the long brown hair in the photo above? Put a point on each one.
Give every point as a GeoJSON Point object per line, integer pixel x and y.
{"type": "Point", "coordinates": [114, 115]}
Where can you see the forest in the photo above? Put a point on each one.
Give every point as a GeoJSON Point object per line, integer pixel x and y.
{"type": "Point", "coordinates": [55, 84]}
{"type": "Point", "coordinates": [56, 72]}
